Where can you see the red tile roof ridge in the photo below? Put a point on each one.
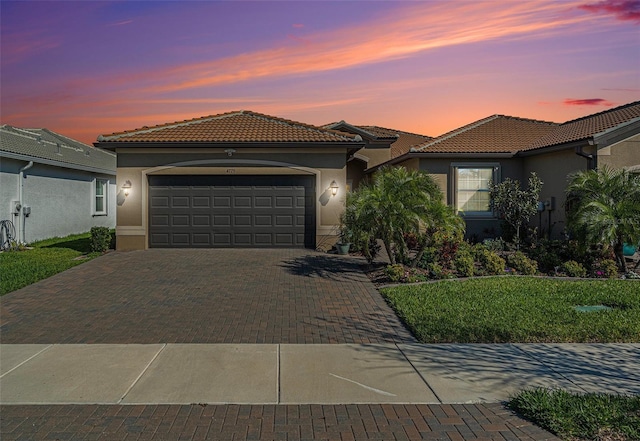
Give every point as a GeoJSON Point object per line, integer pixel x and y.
{"type": "Point", "coordinates": [291, 122]}
{"type": "Point", "coordinates": [397, 131]}
{"type": "Point", "coordinates": [421, 147]}
{"type": "Point", "coordinates": [145, 129]}
{"type": "Point", "coordinates": [169, 125]}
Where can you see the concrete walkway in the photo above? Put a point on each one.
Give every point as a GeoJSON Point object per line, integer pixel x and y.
{"type": "Point", "coordinates": [308, 374]}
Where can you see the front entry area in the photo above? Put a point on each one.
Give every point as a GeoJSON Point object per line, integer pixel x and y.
{"type": "Point", "coordinates": [231, 211]}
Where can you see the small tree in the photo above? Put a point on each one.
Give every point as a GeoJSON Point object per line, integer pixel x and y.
{"type": "Point", "coordinates": [514, 204]}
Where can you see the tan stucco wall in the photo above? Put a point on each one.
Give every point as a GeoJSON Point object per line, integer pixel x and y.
{"type": "Point", "coordinates": [624, 154]}
{"type": "Point", "coordinates": [553, 169]}
{"type": "Point", "coordinates": [132, 219]}
{"type": "Point", "coordinates": [376, 156]}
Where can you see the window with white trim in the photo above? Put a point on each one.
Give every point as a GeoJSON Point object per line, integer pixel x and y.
{"type": "Point", "coordinates": [471, 188]}
{"type": "Point", "coordinates": [100, 192]}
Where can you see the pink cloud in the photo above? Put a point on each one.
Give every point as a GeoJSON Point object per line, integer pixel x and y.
{"type": "Point", "coordinates": [588, 102]}
{"type": "Point", "coordinates": [297, 25]}
{"type": "Point", "coordinates": [625, 10]}
{"type": "Point", "coordinates": [20, 45]}
{"type": "Point", "coordinates": [410, 31]}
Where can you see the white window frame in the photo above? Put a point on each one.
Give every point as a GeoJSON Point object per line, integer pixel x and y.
{"type": "Point", "coordinates": [494, 166]}
{"type": "Point", "coordinates": [104, 196]}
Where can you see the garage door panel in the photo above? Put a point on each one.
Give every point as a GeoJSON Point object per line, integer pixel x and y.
{"type": "Point", "coordinates": [242, 220]}
{"type": "Point", "coordinates": [237, 211]}
{"type": "Point", "coordinates": [222, 220]}
{"type": "Point", "coordinates": [263, 202]}
{"type": "Point", "coordinates": [202, 201]}
{"type": "Point", "coordinates": [201, 221]}
{"type": "Point", "coordinates": [222, 201]}
{"type": "Point", "coordinates": [201, 239]}
{"type": "Point", "coordinates": [180, 201]}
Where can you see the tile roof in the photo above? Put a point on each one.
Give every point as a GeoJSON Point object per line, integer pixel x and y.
{"type": "Point", "coordinates": [52, 147]}
{"type": "Point", "coordinates": [495, 134]}
{"type": "Point", "coordinates": [240, 126]}
{"type": "Point", "coordinates": [588, 126]}
{"type": "Point", "coordinates": [404, 142]}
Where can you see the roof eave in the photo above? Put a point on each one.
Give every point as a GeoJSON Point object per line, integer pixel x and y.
{"type": "Point", "coordinates": [557, 147]}
{"type": "Point", "coordinates": [440, 155]}
{"type": "Point", "coordinates": [71, 166]}
{"type": "Point", "coordinates": [113, 145]}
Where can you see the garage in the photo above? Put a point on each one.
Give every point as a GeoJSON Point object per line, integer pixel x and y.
{"type": "Point", "coordinates": [231, 211]}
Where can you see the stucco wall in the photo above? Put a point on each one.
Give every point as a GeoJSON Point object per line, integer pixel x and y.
{"type": "Point", "coordinates": [61, 200]}
{"type": "Point", "coordinates": [553, 169]}
{"type": "Point", "coordinates": [135, 165]}
{"type": "Point", "coordinates": [478, 228]}
{"type": "Point", "coordinates": [622, 154]}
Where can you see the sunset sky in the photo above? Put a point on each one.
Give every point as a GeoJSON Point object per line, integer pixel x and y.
{"type": "Point", "coordinates": [84, 68]}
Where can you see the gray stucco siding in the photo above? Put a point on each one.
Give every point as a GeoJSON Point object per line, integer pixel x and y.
{"type": "Point", "coordinates": [61, 200]}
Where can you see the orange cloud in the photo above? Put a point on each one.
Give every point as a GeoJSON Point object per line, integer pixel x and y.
{"type": "Point", "coordinates": [413, 30]}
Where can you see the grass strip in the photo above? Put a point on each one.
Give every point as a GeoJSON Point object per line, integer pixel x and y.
{"type": "Point", "coordinates": [581, 416]}
{"type": "Point", "coordinates": [519, 310]}
{"type": "Point", "coordinates": [48, 257]}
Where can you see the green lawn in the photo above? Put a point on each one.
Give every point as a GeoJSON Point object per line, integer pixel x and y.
{"type": "Point", "coordinates": [519, 309]}
{"type": "Point", "coordinates": [584, 417]}
{"type": "Point", "coordinates": [48, 257]}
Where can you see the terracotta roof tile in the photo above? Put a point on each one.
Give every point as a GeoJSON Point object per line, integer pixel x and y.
{"type": "Point", "coordinates": [405, 140]}
{"type": "Point", "coordinates": [495, 134]}
{"type": "Point", "coordinates": [588, 126]}
{"type": "Point", "coordinates": [240, 126]}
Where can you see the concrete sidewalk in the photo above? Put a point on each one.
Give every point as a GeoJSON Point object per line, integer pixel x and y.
{"type": "Point", "coordinates": [307, 374]}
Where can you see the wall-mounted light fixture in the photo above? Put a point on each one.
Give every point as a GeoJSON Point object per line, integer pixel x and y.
{"type": "Point", "coordinates": [126, 187]}
{"type": "Point", "coordinates": [230, 152]}
{"type": "Point", "coordinates": [334, 188]}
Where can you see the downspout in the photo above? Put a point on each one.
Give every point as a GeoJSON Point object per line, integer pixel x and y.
{"type": "Point", "coordinates": [591, 158]}
{"type": "Point", "coordinates": [21, 218]}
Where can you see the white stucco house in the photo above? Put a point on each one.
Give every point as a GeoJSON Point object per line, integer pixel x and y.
{"type": "Point", "coordinates": [51, 185]}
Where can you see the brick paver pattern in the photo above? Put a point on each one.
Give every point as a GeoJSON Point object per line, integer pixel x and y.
{"type": "Point", "coordinates": [226, 296]}
{"type": "Point", "coordinates": [268, 422]}
{"type": "Point", "coordinates": [204, 296]}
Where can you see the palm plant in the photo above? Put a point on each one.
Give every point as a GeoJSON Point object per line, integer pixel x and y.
{"type": "Point", "coordinates": [398, 201]}
{"type": "Point", "coordinates": [603, 207]}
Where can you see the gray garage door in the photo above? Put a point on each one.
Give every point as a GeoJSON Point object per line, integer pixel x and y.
{"type": "Point", "coordinates": [231, 211]}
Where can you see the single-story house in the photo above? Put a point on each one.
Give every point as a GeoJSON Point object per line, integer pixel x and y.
{"type": "Point", "coordinates": [237, 179]}
{"type": "Point", "coordinates": [464, 161]}
{"type": "Point", "coordinates": [51, 185]}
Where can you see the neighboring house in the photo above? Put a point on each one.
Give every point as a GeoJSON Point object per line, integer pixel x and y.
{"type": "Point", "coordinates": [51, 185]}
{"type": "Point", "coordinates": [464, 161]}
{"type": "Point", "coordinates": [237, 179]}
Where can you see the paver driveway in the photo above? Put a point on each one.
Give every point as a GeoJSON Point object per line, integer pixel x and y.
{"type": "Point", "coordinates": [203, 296]}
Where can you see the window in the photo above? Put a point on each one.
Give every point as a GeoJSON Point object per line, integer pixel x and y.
{"type": "Point", "coordinates": [100, 197]}
{"type": "Point", "coordinates": [471, 188]}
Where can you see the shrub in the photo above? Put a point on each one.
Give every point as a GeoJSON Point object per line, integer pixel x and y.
{"type": "Point", "coordinates": [574, 269]}
{"type": "Point", "coordinates": [100, 239]}
{"type": "Point", "coordinates": [491, 262]}
{"type": "Point", "coordinates": [497, 244]}
{"type": "Point", "coordinates": [606, 268]}
{"type": "Point", "coordinates": [521, 263]}
{"type": "Point", "coordinates": [395, 273]}
{"type": "Point", "coordinates": [464, 263]}
{"type": "Point", "coordinates": [437, 271]}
